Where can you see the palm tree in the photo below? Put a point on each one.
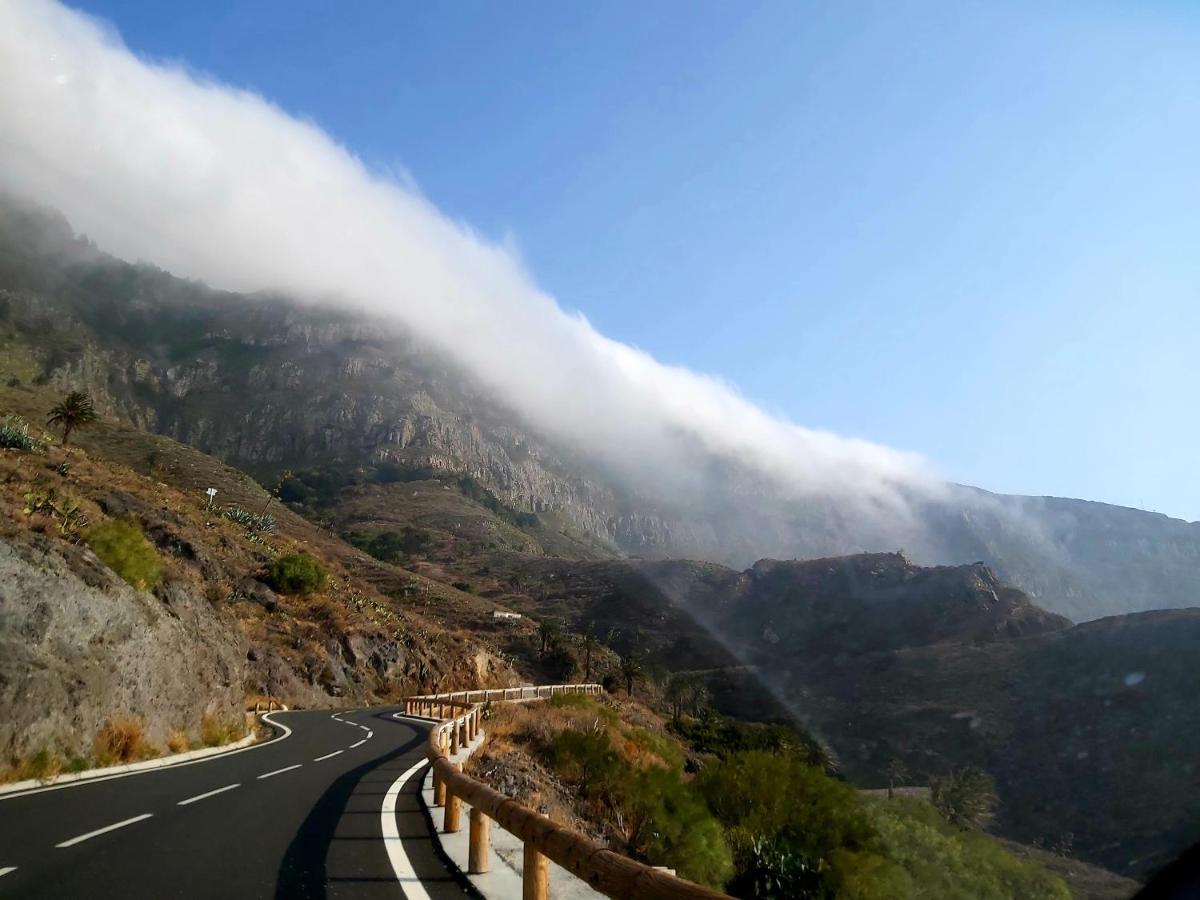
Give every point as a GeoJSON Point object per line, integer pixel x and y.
{"type": "Point", "coordinates": [590, 642]}
{"type": "Point", "coordinates": [549, 631]}
{"type": "Point", "coordinates": [74, 411]}
{"type": "Point", "coordinates": [631, 670]}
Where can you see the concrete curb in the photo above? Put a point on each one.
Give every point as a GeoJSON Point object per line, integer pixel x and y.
{"type": "Point", "coordinates": [160, 762]}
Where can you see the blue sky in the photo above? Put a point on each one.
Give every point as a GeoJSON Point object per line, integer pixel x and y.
{"type": "Point", "coordinates": [965, 229]}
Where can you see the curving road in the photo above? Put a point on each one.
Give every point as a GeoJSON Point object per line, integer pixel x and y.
{"type": "Point", "coordinates": [303, 815]}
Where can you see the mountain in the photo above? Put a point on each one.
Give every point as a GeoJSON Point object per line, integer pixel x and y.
{"type": "Point", "coordinates": [267, 384]}
{"type": "Point", "coordinates": [1085, 728]}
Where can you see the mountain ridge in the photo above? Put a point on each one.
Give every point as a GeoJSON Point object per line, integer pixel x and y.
{"type": "Point", "coordinates": [267, 384]}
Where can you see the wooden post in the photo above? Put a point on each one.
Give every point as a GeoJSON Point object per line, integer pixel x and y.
{"type": "Point", "coordinates": [477, 853]}
{"type": "Point", "coordinates": [452, 821]}
{"type": "Point", "coordinates": [535, 880]}
{"type": "Point", "coordinates": [439, 790]}
{"type": "Point", "coordinates": [453, 738]}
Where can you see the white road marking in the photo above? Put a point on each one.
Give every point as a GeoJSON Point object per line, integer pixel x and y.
{"type": "Point", "coordinates": [280, 771]}
{"type": "Point", "coordinates": [401, 864]}
{"type": "Point", "coordinates": [359, 744]}
{"type": "Point", "coordinates": [228, 787]}
{"type": "Point", "coordinates": [370, 734]}
{"type": "Point", "coordinates": [7, 869]}
{"type": "Point", "coordinates": [327, 756]}
{"type": "Point", "coordinates": [107, 828]}
{"type": "Point", "coordinates": [287, 732]}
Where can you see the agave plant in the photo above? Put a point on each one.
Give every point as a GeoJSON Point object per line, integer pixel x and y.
{"type": "Point", "coordinates": [14, 434]}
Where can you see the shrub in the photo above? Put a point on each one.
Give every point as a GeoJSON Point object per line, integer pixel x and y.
{"type": "Point", "coordinates": [123, 547]}
{"type": "Point", "coordinates": [560, 663]}
{"type": "Point", "coordinates": [662, 819]}
{"type": "Point", "coordinates": [215, 731]}
{"type": "Point", "coordinates": [296, 573]}
{"type": "Point", "coordinates": [14, 434]}
{"type": "Point", "coordinates": [966, 798]}
{"type": "Point", "coordinates": [177, 741]}
{"type": "Point", "coordinates": [394, 546]}
{"type": "Point", "coordinates": [947, 862]}
{"type": "Point", "coordinates": [121, 740]}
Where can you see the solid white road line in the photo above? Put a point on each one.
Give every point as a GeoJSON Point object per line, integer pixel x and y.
{"type": "Point", "coordinates": [370, 734]}
{"type": "Point", "coordinates": [287, 732]}
{"type": "Point", "coordinates": [359, 744]}
{"type": "Point", "coordinates": [107, 828]}
{"type": "Point", "coordinates": [280, 771]}
{"type": "Point", "coordinates": [327, 756]}
{"type": "Point", "coordinates": [228, 787]}
{"type": "Point", "coordinates": [7, 869]}
{"type": "Point", "coordinates": [401, 864]}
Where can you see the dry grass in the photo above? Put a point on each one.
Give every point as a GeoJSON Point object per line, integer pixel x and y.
{"type": "Point", "coordinates": [122, 740]}
{"type": "Point", "coordinates": [177, 741]}
{"type": "Point", "coordinates": [215, 731]}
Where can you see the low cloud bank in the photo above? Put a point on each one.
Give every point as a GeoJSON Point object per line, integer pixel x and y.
{"type": "Point", "coordinates": [156, 163]}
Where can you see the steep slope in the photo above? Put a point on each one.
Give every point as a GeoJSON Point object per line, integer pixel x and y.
{"type": "Point", "coordinates": [79, 646]}
{"type": "Point", "coordinates": [267, 384]}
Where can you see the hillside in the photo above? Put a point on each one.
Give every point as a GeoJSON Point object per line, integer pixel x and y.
{"type": "Point", "coordinates": [1085, 728]}
{"type": "Point", "coordinates": [79, 646]}
{"type": "Point", "coordinates": [266, 384]}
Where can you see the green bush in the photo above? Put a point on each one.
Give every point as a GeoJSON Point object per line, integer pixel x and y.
{"type": "Point", "coordinates": [123, 547]}
{"type": "Point", "coordinates": [801, 814]}
{"type": "Point", "coordinates": [392, 546]}
{"type": "Point", "coordinates": [946, 862]}
{"type": "Point", "coordinates": [296, 573]}
{"type": "Point", "coordinates": [665, 822]}
{"type": "Point", "coordinates": [967, 798]}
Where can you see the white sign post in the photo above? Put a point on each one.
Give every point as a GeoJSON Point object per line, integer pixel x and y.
{"type": "Point", "coordinates": [212, 492]}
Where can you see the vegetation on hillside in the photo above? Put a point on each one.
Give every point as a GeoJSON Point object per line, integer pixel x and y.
{"type": "Point", "coordinates": [74, 411]}
{"type": "Point", "coordinates": [752, 810]}
{"type": "Point", "coordinates": [122, 546]}
{"type": "Point", "coordinates": [296, 573]}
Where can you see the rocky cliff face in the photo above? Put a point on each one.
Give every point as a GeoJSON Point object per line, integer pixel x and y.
{"type": "Point", "coordinates": [78, 646]}
{"type": "Point", "coordinates": [266, 384]}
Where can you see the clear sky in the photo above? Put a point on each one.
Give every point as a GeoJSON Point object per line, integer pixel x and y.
{"type": "Point", "coordinates": [962, 228]}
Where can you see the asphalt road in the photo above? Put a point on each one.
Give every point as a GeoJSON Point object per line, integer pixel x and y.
{"type": "Point", "coordinates": [300, 816]}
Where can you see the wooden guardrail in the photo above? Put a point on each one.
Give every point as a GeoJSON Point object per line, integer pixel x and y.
{"type": "Point", "coordinates": [608, 872]}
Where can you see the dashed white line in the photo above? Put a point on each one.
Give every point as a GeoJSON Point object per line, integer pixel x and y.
{"type": "Point", "coordinates": [401, 864]}
{"type": "Point", "coordinates": [359, 744]}
{"type": "Point", "coordinates": [107, 828]}
{"type": "Point", "coordinates": [327, 756]}
{"type": "Point", "coordinates": [6, 869]}
{"type": "Point", "coordinates": [228, 787]}
{"type": "Point", "coordinates": [280, 771]}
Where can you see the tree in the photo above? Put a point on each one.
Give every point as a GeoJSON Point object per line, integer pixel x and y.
{"type": "Point", "coordinates": [631, 671]}
{"type": "Point", "coordinates": [966, 798]}
{"type": "Point", "coordinates": [590, 642]}
{"type": "Point", "coordinates": [549, 630]}
{"type": "Point", "coordinates": [897, 773]}
{"type": "Point", "coordinates": [678, 692]}
{"type": "Point", "coordinates": [74, 411]}
{"type": "Point", "coordinates": [561, 662]}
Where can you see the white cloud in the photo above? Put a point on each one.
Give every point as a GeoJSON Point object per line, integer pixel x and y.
{"type": "Point", "coordinates": [207, 181]}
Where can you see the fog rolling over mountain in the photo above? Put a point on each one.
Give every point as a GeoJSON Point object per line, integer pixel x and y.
{"type": "Point", "coordinates": [217, 184]}
{"type": "Point", "coordinates": [268, 383]}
